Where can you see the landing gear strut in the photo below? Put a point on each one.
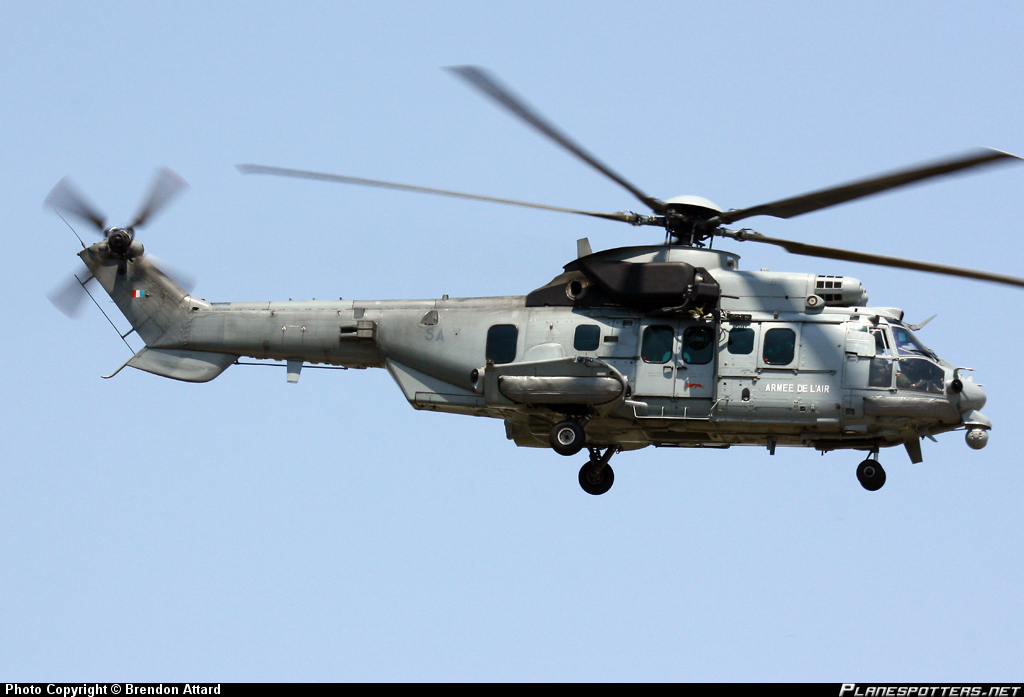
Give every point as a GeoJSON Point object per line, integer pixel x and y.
{"type": "Point", "coordinates": [596, 476]}
{"type": "Point", "coordinates": [870, 474]}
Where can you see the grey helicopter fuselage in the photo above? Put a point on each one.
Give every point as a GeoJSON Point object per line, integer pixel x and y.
{"type": "Point", "coordinates": [669, 345]}
{"type": "Point", "coordinates": [654, 345]}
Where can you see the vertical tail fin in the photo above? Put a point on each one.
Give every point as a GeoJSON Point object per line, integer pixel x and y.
{"type": "Point", "coordinates": [158, 310]}
{"type": "Point", "coordinates": [155, 306]}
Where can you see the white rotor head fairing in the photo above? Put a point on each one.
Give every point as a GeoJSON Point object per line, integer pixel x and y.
{"type": "Point", "coordinates": [694, 201]}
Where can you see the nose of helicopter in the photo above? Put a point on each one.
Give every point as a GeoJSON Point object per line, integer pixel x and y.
{"type": "Point", "coordinates": [971, 398]}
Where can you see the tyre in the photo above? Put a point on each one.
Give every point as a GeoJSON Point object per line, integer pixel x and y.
{"type": "Point", "coordinates": [596, 480]}
{"type": "Point", "coordinates": [871, 475]}
{"type": "Point", "coordinates": [567, 438]}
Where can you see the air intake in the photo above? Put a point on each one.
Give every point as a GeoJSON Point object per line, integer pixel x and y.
{"type": "Point", "coordinates": [840, 291]}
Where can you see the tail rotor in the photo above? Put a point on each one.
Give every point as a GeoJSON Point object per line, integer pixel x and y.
{"type": "Point", "coordinates": [68, 296]}
{"type": "Point", "coordinates": [65, 199]}
{"type": "Point", "coordinates": [166, 185]}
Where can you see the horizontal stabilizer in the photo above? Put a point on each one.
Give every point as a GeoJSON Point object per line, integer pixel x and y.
{"type": "Point", "coordinates": [188, 366]}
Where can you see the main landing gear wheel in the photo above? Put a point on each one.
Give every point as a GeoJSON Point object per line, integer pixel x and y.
{"type": "Point", "coordinates": [567, 437]}
{"type": "Point", "coordinates": [596, 477]}
{"type": "Point", "coordinates": [871, 475]}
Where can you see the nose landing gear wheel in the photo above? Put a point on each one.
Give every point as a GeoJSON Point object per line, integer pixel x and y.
{"type": "Point", "coordinates": [596, 477]}
{"type": "Point", "coordinates": [871, 475]}
{"type": "Point", "coordinates": [567, 438]}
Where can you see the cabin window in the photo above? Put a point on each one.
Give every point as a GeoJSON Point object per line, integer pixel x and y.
{"type": "Point", "coordinates": [779, 346]}
{"type": "Point", "coordinates": [588, 337]}
{"type": "Point", "coordinates": [741, 341]}
{"type": "Point", "coordinates": [657, 344]}
{"type": "Point", "coordinates": [501, 343]}
{"type": "Point", "coordinates": [698, 345]}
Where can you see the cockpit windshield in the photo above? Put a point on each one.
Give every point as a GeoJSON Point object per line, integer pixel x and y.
{"type": "Point", "coordinates": [908, 345]}
{"type": "Point", "coordinates": [917, 367]}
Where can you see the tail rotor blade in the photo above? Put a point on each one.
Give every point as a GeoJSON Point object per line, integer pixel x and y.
{"type": "Point", "coordinates": [68, 296]}
{"type": "Point", "coordinates": [66, 199]}
{"type": "Point", "coordinates": [183, 279]}
{"type": "Point", "coordinates": [166, 186]}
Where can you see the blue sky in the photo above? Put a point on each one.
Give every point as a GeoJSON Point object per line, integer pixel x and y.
{"type": "Point", "coordinates": [248, 529]}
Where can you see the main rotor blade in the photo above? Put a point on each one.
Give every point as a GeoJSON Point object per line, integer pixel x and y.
{"type": "Point", "coordinates": [816, 200]}
{"type": "Point", "coordinates": [64, 197]}
{"type": "Point", "coordinates": [68, 296]}
{"type": "Point", "coordinates": [489, 86]}
{"type": "Point", "coordinates": [813, 250]}
{"type": "Point", "coordinates": [303, 174]}
{"type": "Point", "coordinates": [166, 185]}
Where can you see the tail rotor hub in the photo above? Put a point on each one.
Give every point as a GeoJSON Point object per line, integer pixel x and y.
{"type": "Point", "coordinates": [119, 240]}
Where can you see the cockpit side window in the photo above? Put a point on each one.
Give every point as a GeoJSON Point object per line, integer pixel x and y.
{"type": "Point", "coordinates": [920, 375]}
{"type": "Point", "coordinates": [880, 372]}
{"type": "Point", "coordinates": [881, 343]}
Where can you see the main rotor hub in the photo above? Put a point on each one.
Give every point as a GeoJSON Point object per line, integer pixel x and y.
{"type": "Point", "coordinates": [687, 219]}
{"type": "Point", "coordinates": [696, 204]}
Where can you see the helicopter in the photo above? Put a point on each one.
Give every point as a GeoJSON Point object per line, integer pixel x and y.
{"type": "Point", "coordinates": [665, 345]}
